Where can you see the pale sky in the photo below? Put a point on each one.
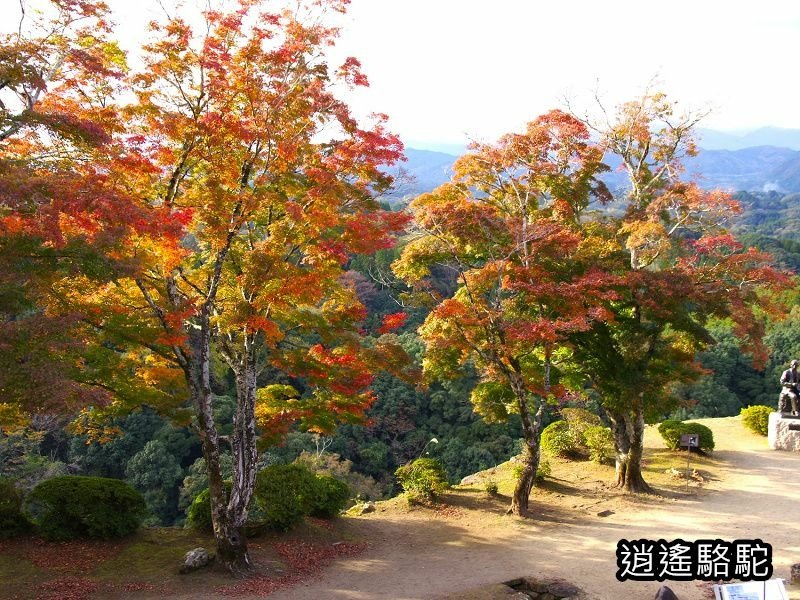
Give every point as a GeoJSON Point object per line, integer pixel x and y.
{"type": "Point", "coordinates": [449, 70]}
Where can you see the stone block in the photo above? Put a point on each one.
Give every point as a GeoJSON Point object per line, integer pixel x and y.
{"type": "Point", "coordinates": [779, 434]}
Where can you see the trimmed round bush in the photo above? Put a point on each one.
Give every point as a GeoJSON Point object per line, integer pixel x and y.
{"type": "Point", "coordinates": [287, 493]}
{"type": "Point", "coordinates": [558, 439]}
{"type": "Point", "coordinates": [600, 442]}
{"type": "Point", "coordinates": [424, 477]}
{"type": "Point", "coordinates": [331, 497]}
{"type": "Point", "coordinates": [72, 507]}
{"type": "Point", "coordinates": [672, 431]}
{"type": "Point", "coordinates": [13, 522]}
{"type": "Point", "coordinates": [668, 424]}
{"type": "Point", "coordinates": [756, 418]}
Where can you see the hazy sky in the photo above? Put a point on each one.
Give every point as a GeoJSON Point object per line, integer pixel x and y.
{"type": "Point", "coordinates": [446, 70]}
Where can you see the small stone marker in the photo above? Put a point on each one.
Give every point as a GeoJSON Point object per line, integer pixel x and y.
{"type": "Point", "coordinates": [689, 441]}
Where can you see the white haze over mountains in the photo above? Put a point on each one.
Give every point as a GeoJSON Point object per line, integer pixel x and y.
{"type": "Point", "coordinates": [765, 159]}
{"type": "Point", "coordinates": [447, 71]}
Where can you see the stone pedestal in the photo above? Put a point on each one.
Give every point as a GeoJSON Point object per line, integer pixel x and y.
{"type": "Point", "coordinates": [783, 433]}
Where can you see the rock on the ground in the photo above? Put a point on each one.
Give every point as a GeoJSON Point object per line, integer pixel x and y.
{"type": "Point", "coordinates": [195, 559]}
{"type": "Point", "coordinates": [779, 435]}
{"type": "Point", "coordinates": [795, 574]}
{"type": "Point", "coordinates": [537, 589]}
{"type": "Point", "coordinates": [362, 509]}
{"type": "Point", "coordinates": [665, 593]}
{"type": "Point", "coordinates": [562, 589]}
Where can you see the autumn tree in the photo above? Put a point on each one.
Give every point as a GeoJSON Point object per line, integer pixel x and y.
{"type": "Point", "coordinates": [679, 268]}
{"type": "Point", "coordinates": [242, 185]}
{"type": "Point", "coordinates": [509, 226]}
{"type": "Point", "coordinates": [58, 73]}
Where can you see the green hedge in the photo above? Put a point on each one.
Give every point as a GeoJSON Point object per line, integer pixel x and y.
{"type": "Point", "coordinates": [330, 498]}
{"type": "Point", "coordinates": [756, 418]}
{"type": "Point", "coordinates": [284, 494]}
{"type": "Point", "coordinates": [287, 493]}
{"type": "Point", "coordinates": [559, 440]}
{"type": "Point", "coordinates": [600, 442]}
{"type": "Point", "coordinates": [580, 435]}
{"type": "Point", "coordinates": [672, 431]}
{"type": "Point", "coordinates": [12, 520]}
{"type": "Point", "coordinates": [94, 507]}
{"type": "Point", "coordinates": [425, 477]}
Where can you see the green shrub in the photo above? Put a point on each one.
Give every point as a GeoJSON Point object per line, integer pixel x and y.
{"type": "Point", "coordinates": [12, 520]}
{"type": "Point", "coordinates": [198, 515]}
{"type": "Point", "coordinates": [672, 431]}
{"type": "Point", "coordinates": [331, 497]}
{"type": "Point", "coordinates": [425, 477]}
{"type": "Point", "coordinates": [284, 494]}
{"type": "Point", "coordinates": [668, 424]}
{"type": "Point", "coordinates": [96, 507]}
{"type": "Point", "coordinates": [756, 418]}
{"type": "Point", "coordinates": [558, 439]}
{"type": "Point", "coordinates": [287, 493]}
{"type": "Point", "coordinates": [580, 419]}
{"type": "Point", "coordinates": [491, 487]}
{"type": "Point", "coordinates": [543, 470]}
{"type": "Point", "coordinates": [600, 442]}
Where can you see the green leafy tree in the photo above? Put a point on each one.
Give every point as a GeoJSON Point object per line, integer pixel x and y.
{"type": "Point", "coordinates": [156, 473]}
{"type": "Point", "coordinates": [110, 457]}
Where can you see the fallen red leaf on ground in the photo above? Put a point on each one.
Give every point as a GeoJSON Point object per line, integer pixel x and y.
{"type": "Point", "coordinates": [303, 558]}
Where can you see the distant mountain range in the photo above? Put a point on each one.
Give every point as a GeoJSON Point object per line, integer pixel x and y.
{"type": "Point", "coordinates": [765, 136]}
{"type": "Point", "coordinates": [766, 159]}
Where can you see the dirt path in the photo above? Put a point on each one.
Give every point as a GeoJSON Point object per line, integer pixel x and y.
{"type": "Point", "coordinates": [755, 494]}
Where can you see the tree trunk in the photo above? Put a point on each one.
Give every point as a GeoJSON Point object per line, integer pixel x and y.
{"type": "Point", "coordinates": [628, 429]}
{"type": "Point", "coordinates": [531, 431]}
{"type": "Point", "coordinates": [232, 551]}
{"type": "Point", "coordinates": [243, 443]}
{"type": "Point", "coordinates": [522, 491]}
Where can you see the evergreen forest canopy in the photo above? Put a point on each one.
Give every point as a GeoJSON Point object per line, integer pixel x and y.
{"type": "Point", "coordinates": [200, 278]}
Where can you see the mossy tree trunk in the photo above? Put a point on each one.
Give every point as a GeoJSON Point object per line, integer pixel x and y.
{"type": "Point", "coordinates": [628, 430]}
{"type": "Point", "coordinates": [532, 434]}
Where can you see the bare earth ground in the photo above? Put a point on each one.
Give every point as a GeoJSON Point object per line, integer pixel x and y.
{"type": "Point", "coordinates": [753, 493]}
{"type": "Point", "coordinates": [455, 549]}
